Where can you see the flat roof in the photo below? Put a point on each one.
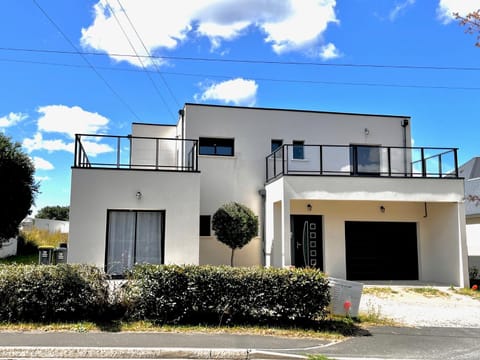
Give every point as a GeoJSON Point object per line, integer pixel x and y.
{"type": "Point", "coordinates": [295, 110]}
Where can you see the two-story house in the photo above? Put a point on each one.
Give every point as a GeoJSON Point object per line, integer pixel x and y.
{"type": "Point", "coordinates": [342, 192]}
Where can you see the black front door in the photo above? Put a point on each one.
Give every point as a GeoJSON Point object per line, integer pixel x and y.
{"type": "Point", "coordinates": [307, 244]}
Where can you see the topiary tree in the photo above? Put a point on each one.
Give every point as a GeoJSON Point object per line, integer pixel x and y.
{"type": "Point", "coordinates": [18, 186]}
{"type": "Point", "coordinates": [235, 225]}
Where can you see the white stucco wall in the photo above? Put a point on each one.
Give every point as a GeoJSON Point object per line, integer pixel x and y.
{"type": "Point", "coordinates": [93, 191]}
{"type": "Point", "coordinates": [440, 226]}
{"type": "Point", "coordinates": [240, 177]}
{"type": "Point", "coordinates": [52, 225]}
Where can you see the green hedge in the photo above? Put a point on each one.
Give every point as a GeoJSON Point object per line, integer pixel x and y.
{"type": "Point", "coordinates": [52, 293]}
{"type": "Point", "coordinates": [189, 294]}
{"type": "Point", "coordinates": [163, 294]}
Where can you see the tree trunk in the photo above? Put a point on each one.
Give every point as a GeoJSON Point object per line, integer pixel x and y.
{"type": "Point", "coordinates": [231, 257]}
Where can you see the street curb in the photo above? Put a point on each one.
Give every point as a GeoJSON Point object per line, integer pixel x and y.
{"type": "Point", "coordinates": [138, 353]}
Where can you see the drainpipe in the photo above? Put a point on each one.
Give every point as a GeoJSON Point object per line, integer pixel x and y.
{"type": "Point", "coordinates": [404, 126]}
{"type": "Point", "coordinates": [262, 194]}
{"type": "Point", "coordinates": [181, 114]}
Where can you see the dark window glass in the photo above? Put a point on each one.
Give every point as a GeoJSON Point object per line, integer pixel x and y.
{"type": "Point", "coordinates": [298, 152]}
{"type": "Point", "coordinates": [276, 144]}
{"type": "Point", "coordinates": [204, 225]}
{"type": "Point", "coordinates": [365, 159]}
{"type": "Point", "coordinates": [216, 146]}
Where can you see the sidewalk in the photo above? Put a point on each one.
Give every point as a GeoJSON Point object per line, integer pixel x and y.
{"type": "Point", "coordinates": [154, 345]}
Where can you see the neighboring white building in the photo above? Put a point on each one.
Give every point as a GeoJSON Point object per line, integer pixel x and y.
{"type": "Point", "coordinates": [471, 172]}
{"type": "Point", "coordinates": [45, 224]}
{"type": "Point", "coordinates": [342, 192]}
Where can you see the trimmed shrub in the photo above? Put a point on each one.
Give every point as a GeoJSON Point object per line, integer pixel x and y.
{"type": "Point", "coordinates": [52, 293]}
{"type": "Point", "coordinates": [193, 294]}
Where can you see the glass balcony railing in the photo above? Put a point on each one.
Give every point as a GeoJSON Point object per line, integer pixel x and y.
{"type": "Point", "coordinates": [362, 160]}
{"type": "Point", "coordinates": [134, 152]}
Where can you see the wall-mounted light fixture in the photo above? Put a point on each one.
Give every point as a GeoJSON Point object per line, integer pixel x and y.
{"type": "Point", "coordinates": [366, 131]}
{"type": "Point", "coordinates": [309, 207]}
{"type": "Point", "coordinates": [138, 195]}
{"type": "Point", "coordinates": [382, 209]}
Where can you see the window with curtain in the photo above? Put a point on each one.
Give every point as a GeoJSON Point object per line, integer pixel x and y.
{"type": "Point", "coordinates": [134, 237]}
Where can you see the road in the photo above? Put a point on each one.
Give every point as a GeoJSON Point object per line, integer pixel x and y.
{"type": "Point", "coordinates": [376, 343]}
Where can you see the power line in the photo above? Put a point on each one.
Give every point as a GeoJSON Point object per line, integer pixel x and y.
{"type": "Point", "coordinates": [253, 78]}
{"type": "Point", "coordinates": [140, 59]}
{"type": "Point", "coordinates": [148, 52]}
{"type": "Point", "coordinates": [86, 60]}
{"type": "Point", "coordinates": [250, 61]}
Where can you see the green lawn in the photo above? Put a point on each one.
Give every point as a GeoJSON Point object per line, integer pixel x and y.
{"type": "Point", "coordinates": [20, 259]}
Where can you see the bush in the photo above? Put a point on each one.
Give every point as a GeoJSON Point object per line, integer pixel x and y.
{"type": "Point", "coordinates": [41, 237]}
{"type": "Point", "coordinates": [193, 294]}
{"type": "Point", "coordinates": [52, 293]}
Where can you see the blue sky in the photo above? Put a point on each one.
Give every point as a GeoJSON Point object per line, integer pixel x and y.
{"type": "Point", "coordinates": [81, 66]}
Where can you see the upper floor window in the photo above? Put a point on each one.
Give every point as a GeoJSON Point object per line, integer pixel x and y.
{"type": "Point", "coordinates": [298, 149]}
{"type": "Point", "coordinates": [216, 146]}
{"type": "Point", "coordinates": [276, 143]}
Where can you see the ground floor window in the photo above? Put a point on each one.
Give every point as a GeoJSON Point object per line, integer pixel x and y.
{"type": "Point", "coordinates": [134, 237]}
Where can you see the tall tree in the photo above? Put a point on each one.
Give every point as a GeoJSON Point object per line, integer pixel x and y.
{"type": "Point", "coordinates": [54, 213]}
{"type": "Point", "coordinates": [18, 186]}
{"type": "Point", "coordinates": [235, 225]}
{"type": "Point", "coordinates": [472, 23]}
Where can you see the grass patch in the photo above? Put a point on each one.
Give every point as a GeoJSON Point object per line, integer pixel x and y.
{"type": "Point", "coordinates": [475, 294]}
{"type": "Point", "coordinates": [373, 316]}
{"type": "Point", "coordinates": [329, 329]}
{"type": "Point", "coordinates": [428, 292]}
{"type": "Point", "coordinates": [30, 259]}
{"type": "Point", "coordinates": [318, 357]}
{"type": "Point", "coordinates": [379, 291]}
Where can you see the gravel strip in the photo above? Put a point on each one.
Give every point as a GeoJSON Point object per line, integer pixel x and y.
{"type": "Point", "coordinates": [411, 309]}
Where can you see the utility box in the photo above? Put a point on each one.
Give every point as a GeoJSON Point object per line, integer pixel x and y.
{"type": "Point", "coordinates": [45, 255]}
{"type": "Point", "coordinates": [60, 255]}
{"type": "Point", "coordinates": [345, 297]}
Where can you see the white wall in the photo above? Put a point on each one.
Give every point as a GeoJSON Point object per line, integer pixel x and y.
{"type": "Point", "coordinates": [441, 230]}
{"type": "Point", "coordinates": [52, 225]}
{"type": "Point", "coordinates": [239, 178]}
{"type": "Point", "coordinates": [93, 191]}
{"type": "Point", "coordinates": [8, 248]}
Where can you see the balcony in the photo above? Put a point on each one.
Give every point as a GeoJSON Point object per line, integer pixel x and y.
{"type": "Point", "coordinates": [135, 153]}
{"type": "Point", "coordinates": [362, 160]}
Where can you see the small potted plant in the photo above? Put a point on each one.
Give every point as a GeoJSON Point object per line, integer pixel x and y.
{"type": "Point", "coordinates": [474, 277]}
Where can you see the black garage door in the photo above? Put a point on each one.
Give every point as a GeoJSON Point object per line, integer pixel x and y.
{"type": "Point", "coordinates": [381, 250]}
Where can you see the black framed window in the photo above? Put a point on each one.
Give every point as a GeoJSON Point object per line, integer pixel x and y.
{"type": "Point", "coordinates": [216, 146]}
{"type": "Point", "coordinates": [298, 149]}
{"type": "Point", "coordinates": [133, 237]}
{"type": "Point", "coordinates": [276, 143]}
{"type": "Point", "coordinates": [205, 221]}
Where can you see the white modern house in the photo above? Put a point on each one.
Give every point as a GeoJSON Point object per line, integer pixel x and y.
{"type": "Point", "coordinates": [470, 171]}
{"type": "Point", "coordinates": [342, 192]}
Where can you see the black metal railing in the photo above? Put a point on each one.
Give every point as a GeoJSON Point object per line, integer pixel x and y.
{"type": "Point", "coordinates": [135, 152]}
{"type": "Point", "coordinates": [362, 160]}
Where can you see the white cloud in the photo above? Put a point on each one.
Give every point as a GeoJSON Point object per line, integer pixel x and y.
{"type": "Point", "coordinates": [42, 164]}
{"type": "Point", "coordinates": [237, 91]}
{"type": "Point", "coordinates": [289, 25]}
{"type": "Point", "coordinates": [400, 8]}
{"type": "Point", "coordinates": [446, 9]}
{"type": "Point", "coordinates": [329, 51]}
{"type": "Point", "coordinates": [70, 120]}
{"type": "Point", "coordinates": [38, 143]}
{"type": "Point", "coordinates": [11, 119]}
{"type": "Point", "coordinates": [41, 178]}
{"type": "Point", "coordinates": [92, 148]}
